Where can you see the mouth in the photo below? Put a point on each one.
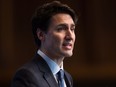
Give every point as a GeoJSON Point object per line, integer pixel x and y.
{"type": "Point", "coordinates": [67, 46]}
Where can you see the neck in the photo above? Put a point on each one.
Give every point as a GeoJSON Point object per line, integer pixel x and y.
{"type": "Point", "coordinates": [57, 59]}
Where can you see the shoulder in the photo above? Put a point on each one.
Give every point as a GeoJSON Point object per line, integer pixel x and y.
{"type": "Point", "coordinates": [23, 78]}
{"type": "Point", "coordinates": [29, 73]}
{"type": "Point", "coordinates": [32, 67]}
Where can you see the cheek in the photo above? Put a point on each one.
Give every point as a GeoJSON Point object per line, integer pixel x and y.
{"type": "Point", "coordinates": [57, 39]}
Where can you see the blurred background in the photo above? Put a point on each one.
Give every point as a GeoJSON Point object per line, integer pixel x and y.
{"type": "Point", "coordinates": [94, 61]}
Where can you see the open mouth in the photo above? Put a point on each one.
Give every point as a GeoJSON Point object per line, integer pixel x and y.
{"type": "Point", "coordinates": [67, 46]}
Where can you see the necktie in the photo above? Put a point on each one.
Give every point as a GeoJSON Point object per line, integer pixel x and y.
{"type": "Point", "coordinates": [61, 78]}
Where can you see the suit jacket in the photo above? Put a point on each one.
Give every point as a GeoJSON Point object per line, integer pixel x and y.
{"type": "Point", "coordinates": [37, 73]}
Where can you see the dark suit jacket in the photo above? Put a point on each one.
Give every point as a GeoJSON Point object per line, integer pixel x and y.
{"type": "Point", "coordinates": [37, 74]}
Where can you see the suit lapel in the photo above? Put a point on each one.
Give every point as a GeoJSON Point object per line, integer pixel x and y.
{"type": "Point", "coordinates": [51, 80]}
{"type": "Point", "coordinates": [44, 68]}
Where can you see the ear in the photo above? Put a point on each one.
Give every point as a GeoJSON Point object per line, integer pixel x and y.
{"type": "Point", "coordinates": [40, 34]}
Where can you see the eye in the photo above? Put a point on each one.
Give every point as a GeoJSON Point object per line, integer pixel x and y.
{"type": "Point", "coordinates": [61, 28]}
{"type": "Point", "coordinates": [73, 29]}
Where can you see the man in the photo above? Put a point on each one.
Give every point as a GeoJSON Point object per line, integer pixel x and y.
{"type": "Point", "coordinates": [54, 32]}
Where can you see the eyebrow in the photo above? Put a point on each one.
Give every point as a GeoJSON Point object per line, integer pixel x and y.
{"type": "Point", "coordinates": [64, 24]}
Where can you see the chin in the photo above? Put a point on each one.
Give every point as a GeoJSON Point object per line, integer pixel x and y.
{"type": "Point", "coordinates": [68, 54]}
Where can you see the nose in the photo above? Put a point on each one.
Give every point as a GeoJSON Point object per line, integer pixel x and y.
{"type": "Point", "coordinates": [69, 35]}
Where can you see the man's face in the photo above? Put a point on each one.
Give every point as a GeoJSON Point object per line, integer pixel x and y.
{"type": "Point", "coordinates": [60, 38]}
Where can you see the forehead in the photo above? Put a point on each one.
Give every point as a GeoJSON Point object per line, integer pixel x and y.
{"type": "Point", "coordinates": [62, 18]}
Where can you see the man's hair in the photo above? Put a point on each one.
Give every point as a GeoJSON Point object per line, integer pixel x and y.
{"type": "Point", "coordinates": [43, 14]}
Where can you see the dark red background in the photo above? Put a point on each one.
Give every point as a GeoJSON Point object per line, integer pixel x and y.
{"type": "Point", "coordinates": [94, 59]}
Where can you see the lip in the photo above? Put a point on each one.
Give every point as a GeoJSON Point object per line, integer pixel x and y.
{"type": "Point", "coordinates": [67, 46]}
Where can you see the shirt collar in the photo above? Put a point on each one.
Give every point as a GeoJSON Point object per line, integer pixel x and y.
{"type": "Point", "coordinates": [53, 65]}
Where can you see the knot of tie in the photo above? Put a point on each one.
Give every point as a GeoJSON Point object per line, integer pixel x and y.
{"type": "Point", "coordinates": [61, 74]}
